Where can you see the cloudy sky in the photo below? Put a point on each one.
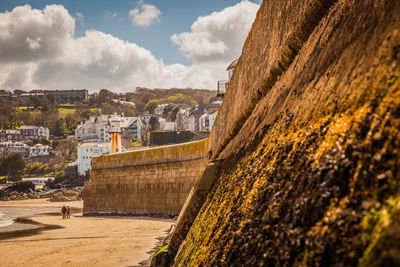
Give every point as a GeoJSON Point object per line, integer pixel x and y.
{"type": "Point", "coordinates": [120, 44]}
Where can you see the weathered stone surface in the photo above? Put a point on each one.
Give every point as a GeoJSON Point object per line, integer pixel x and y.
{"type": "Point", "coordinates": [193, 204]}
{"type": "Point", "coordinates": [146, 182]}
{"type": "Point", "coordinates": [311, 173]}
{"type": "Point", "coordinates": [262, 63]}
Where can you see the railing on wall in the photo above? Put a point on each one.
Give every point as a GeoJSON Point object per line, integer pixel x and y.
{"type": "Point", "coordinates": [221, 87]}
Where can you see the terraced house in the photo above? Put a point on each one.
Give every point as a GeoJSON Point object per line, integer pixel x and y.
{"type": "Point", "coordinates": [10, 135]}
{"type": "Point", "coordinates": [31, 132]}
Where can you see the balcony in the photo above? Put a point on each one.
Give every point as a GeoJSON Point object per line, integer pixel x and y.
{"type": "Point", "coordinates": [221, 88]}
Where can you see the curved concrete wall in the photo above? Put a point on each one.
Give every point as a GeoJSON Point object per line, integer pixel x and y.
{"type": "Point", "coordinates": [154, 181]}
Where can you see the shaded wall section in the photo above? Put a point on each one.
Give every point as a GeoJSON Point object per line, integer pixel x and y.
{"type": "Point", "coordinates": [270, 48]}
{"type": "Point", "coordinates": [154, 181]}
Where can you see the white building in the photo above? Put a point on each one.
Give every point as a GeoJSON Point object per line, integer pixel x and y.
{"type": "Point", "coordinates": [97, 128]}
{"type": "Point", "coordinates": [159, 110]}
{"type": "Point", "coordinates": [88, 150]}
{"type": "Point", "coordinates": [30, 132]}
{"type": "Point", "coordinates": [38, 150]}
{"type": "Point", "coordinates": [168, 125]}
{"type": "Point", "coordinates": [131, 127]}
{"type": "Point", "coordinates": [211, 119]}
{"type": "Point", "coordinates": [185, 121]}
{"type": "Point", "coordinates": [7, 148]}
{"type": "Point", "coordinates": [146, 117]}
{"type": "Point", "coordinates": [206, 121]}
{"type": "Point", "coordinates": [38, 180]}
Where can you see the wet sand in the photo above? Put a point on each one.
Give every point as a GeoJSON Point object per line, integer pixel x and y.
{"type": "Point", "coordinates": [48, 240]}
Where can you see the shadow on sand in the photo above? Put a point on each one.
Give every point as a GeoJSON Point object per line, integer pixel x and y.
{"type": "Point", "coordinates": [39, 228]}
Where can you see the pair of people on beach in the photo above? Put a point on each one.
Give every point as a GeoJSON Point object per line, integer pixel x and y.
{"type": "Point", "coordinates": [66, 212]}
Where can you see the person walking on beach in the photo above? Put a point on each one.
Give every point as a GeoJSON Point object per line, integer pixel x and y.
{"type": "Point", "coordinates": [68, 212]}
{"type": "Point", "coordinates": [64, 212]}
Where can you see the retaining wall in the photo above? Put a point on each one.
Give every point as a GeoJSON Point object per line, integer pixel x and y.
{"type": "Point", "coordinates": [154, 181]}
{"type": "Point", "coordinates": [308, 141]}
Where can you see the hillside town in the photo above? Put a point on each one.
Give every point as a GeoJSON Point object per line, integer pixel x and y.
{"type": "Point", "coordinates": [161, 117]}
{"type": "Point", "coordinates": [15, 141]}
{"type": "Point", "coordinates": [162, 124]}
{"type": "Point", "coordinates": [200, 133]}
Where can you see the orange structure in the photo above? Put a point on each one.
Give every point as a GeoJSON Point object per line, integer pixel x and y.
{"type": "Point", "coordinates": [115, 134]}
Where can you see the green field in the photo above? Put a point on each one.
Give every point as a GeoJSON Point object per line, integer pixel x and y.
{"type": "Point", "coordinates": [24, 108]}
{"type": "Point", "coordinates": [64, 112]}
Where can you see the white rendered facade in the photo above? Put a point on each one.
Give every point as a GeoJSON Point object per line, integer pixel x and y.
{"type": "Point", "coordinates": [206, 121]}
{"type": "Point", "coordinates": [30, 132]}
{"type": "Point", "coordinates": [97, 128]}
{"type": "Point", "coordinates": [185, 121]}
{"type": "Point", "coordinates": [211, 119]}
{"type": "Point", "coordinates": [38, 150]}
{"type": "Point", "coordinates": [168, 125]}
{"type": "Point", "coordinates": [88, 150]}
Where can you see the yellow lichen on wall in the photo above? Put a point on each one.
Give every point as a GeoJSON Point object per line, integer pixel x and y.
{"type": "Point", "coordinates": [225, 218]}
{"type": "Point", "coordinates": [311, 176]}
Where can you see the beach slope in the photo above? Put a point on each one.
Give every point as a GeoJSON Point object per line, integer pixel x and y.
{"type": "Point", "coordinates": [81, 241]}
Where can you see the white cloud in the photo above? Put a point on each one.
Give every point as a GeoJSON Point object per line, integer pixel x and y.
{"type": "Point", "coordinates": [34, 44]}
{"type": "Point", "coordinates": [145, 14]}
{"type": "Point", "coordinates": [111, 15]}
{"type": "Point", "coordinates": [79, 16]}
{"type": "Point", "coordinates": [31, 35]}
{"type": "Point", "coordinates": [219, 36]}
{"type": "Point", "coordinates": [38, 49]}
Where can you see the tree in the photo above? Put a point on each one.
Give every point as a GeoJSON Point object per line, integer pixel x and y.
{"type": "Point", "coordinates": [13, 165]}
{"type": "Point", "coordinates": [70, 123]}
{"type": "Point", "coordinates": [40, 140]}
{"type": "Point", "coordinates": [68, 149]}
{"type": "Point", "coordinates": [103, 97]}
{"type": "Point", "coordinates": [19, 92]}
{"type": "Point", "coordinates": [59, 128]}
{"type": "Point", "coordinates": [154, 123]}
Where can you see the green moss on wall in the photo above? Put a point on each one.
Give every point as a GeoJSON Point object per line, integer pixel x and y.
{"type": "Point", "coordinates": [312, 176]}
{"type": "Point", "coordinates": [306, 196]}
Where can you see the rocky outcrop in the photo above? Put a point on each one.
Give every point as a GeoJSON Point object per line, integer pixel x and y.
{"type": "Point", "coordinates": [66, 195]}
{"type": "Point", "coordinates": [308, 135]}
{"type": "Point", "coordinates": [26, 190]}
{"type": "Point", "coordinates": [18, 190]}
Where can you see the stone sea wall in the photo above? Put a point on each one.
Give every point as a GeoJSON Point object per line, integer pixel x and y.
{"type": "Point", "coordinates": [309, 142]}
{"type": "Point", "coordinates": [154, 181]}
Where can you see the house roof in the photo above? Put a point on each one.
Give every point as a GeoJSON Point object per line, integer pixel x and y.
{"type": "Point", "coordinates": [94, 145]}
{"type": "Point", "coordinates": [14, 144]}
{"type": "Point", "coordinates": [25, 127]}
{"type": "Point", "coordinates": [127, 121]}
{"type": "Point", "coordinates": [12, 132]}
{"type": "Point", "coordinates": [40, 145]}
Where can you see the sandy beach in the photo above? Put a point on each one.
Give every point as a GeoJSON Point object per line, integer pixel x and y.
{"type": "Point", "coordinates": [48, 240]}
